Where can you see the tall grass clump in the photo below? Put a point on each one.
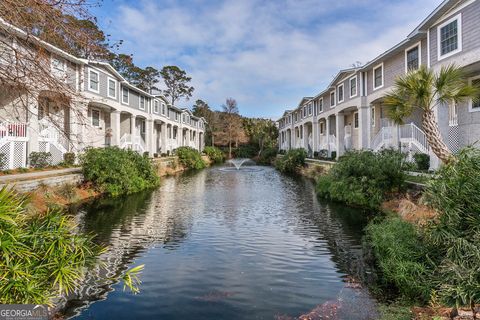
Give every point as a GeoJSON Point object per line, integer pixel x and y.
{"type": "Point", "coordinates": [215, 154]}
{"type": "Point", "coordinates": [454, 193]}
{"type": "Point", "coordinates": [401, 256]}
{"type": "Point", "coordinates": [292, 161]}
{"type": "Point", "coordinates": [190, 158]}
{"type": "Point", "coordinates": [116, 171]}
{"type": "Point", "coordinates": [42, 256]}
{"type": "Point", "coordinates": [364, 178]}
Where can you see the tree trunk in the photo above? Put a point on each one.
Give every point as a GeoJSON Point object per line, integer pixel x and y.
{"type": "Point", "coordinates": [230, 149]}
{"type": "Point", "coordinates": [434, 137]}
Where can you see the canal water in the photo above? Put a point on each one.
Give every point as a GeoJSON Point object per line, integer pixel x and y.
{"type": "Point", "coordinates": [216, 244]}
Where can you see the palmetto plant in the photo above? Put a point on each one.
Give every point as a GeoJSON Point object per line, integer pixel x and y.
{"type": "Point", "coordinates": [425, 89]}
{"type": "Point", "coordinates": [41, 255]}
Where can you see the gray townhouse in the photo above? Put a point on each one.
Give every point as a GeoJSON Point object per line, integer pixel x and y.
{"type": "Point", "coordinates": [106, 111]}
{"type": "Point", "coordinates": [349, 113]}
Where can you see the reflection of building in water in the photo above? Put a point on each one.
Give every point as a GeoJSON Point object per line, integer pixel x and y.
{"type": "Point", "coordinates": [130, 225]}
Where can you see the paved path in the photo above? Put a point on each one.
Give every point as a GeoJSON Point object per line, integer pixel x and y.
{"type": "Point", "coordinates": [9, 178]}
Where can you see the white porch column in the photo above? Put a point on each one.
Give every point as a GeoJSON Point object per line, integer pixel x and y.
{"type": "Point", "coordinates": [327, 134]}
{"type": "Point", "coordinates": [133, 130]}
{"type": "Point", "coordinates": [163, 137]}
{"type": "Point", "coordinates": [340, 127]}
{"type": "Point", "coordinates": [149, 139]}
{"type": "Point", "coordinates": [316, 136]}
{"type": "Point", "coordinates": [115, 125]}
{"type": "Point", "coordinates": [363, 127]}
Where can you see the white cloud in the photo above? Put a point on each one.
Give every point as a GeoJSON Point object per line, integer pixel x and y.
{"type": "Point", "coordinates": [266, 54]}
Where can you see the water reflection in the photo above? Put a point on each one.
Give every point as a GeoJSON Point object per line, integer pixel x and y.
{"type": "Point", "coordinates": [224, 245]}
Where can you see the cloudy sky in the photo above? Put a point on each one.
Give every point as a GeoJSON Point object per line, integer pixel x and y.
{"type": "Point", "coordinates": [265, 54]}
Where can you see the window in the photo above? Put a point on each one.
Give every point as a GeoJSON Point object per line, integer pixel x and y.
{"type": "Point", "coordinates": [176, 116]}
{"type": "Point", "coordinates": [310, 109]}
{"type": "Point", "coordinates": [143, 127]}
{"type": "Point", "coordinates": [112, 88]}
{"type": "Point", "coordinates": [304, 112]}
{"type": "Point", "coordinates": [332, 99]}
{"type": "Point", "coordinates": [320, 105]}
{"type": "Point", "coordinates": [474, 104]}
{"type": "Point", "coordinates": [340, 93]}
{"type": "Point", "coordinates": [412, 58]}
{"type": "Point", "coordinates": [353, 87]}
{"type": "Point", "coordinates": [355, 120]}
{"type": "Point", "coordinates": [373, 116]}
{"type": "Point", "coordinates": [449, 37]}
{"type": "Point", "coordinates": [142, 102]}
{"type": "Point", "coordinates": [155, 106]}
{"type": "Point", "coordinates": [163, 108]}
{"type": "Point", "coordinates": [322, 128]}
{"type": "Point", "coordinates": [93, 81]}
{"type": "Point", "coordinates": [175, 132]}
{"type": "Point", "coordinates": [378, 77]}
{"type": "Point", "coordinates": [95, 118]}
{"type": "Point", "coordinates": [125, 93]}
{"type": "Point", "coordinates": [59, 67]}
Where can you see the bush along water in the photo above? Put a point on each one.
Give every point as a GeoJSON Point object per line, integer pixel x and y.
{"type": "Point", "coordinates": [215, 154]}
{"type": "Point", "coordinates": [364, 178]}
{"type": "Point", "coordinates": [116, 171]}
{"type": "Point", "coordinates": [267, 156]}
{"type": "Point", "coordinates": [190, 158]}
{"type": "Point", "coordinates": [438, 263]}
{"type": "Point", "coordinates": [292, 161]}
{"type": "Point", "coordinates": [42, 255]}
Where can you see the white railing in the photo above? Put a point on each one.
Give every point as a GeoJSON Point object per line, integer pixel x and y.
{"type": "Point", "coordinates": [411, 133]}
{"type": "Point", "coordinates": [332, 142]}
{"type": "Point", "coordinates": [13, 129]}
{"type": "Point", "coordinates": [138, 144]}
{"type": "Point", "coordinates": [126, 141]}
{"type": "Point", "coordinates": [408, 133]}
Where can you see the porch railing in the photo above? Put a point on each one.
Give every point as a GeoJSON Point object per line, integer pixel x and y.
{"type": "Point", "coordinates": [13, 129]}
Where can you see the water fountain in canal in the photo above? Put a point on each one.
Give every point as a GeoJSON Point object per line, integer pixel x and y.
{"type": "Point", "coordinates": [241, 164]}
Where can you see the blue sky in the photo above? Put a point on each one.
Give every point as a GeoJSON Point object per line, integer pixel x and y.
{"type": "Point", "coordinates": [265, 54]}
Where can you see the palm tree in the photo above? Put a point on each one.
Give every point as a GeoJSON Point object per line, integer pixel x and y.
{"type": "Point", "coordinates": [424, 89]}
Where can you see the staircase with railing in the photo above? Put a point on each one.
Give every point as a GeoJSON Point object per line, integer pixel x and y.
{"type": "Point", "coordinates": [52, 140]}
{"type": "Point", "coordinates": [410, 137]}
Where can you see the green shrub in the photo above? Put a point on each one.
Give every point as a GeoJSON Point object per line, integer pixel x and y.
{"type": "Point", "coordinates": [401, 256]}
{"type": "Point", "coordinates": [40, 160]}
{"type": "Point", "coordinates": [117, 171]}
{"type": "Point", "coordinates": [215, 154]}
{"type": "Point", "coordinates": [422, 161]}
{"type": "Point", "coordinates": [454, 193]}
{"type": "Point", "coordinates": [292, 161]}
{"type": "Point", "coordinates": [363, 178]}
{"type": "Point", "coordinates": [69, 159]}
{"type": "Point", "coordinates": [43, 256]}
{"type": "Point", "coordinates": [267, 156]}
{"type": "Point", "coordinates": [190, 158]}
{"type": "Point", "coordinates": [245, 151]}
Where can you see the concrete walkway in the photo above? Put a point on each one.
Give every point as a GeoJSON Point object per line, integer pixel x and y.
{"type": "Point", "coordinates": [12, 178]}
